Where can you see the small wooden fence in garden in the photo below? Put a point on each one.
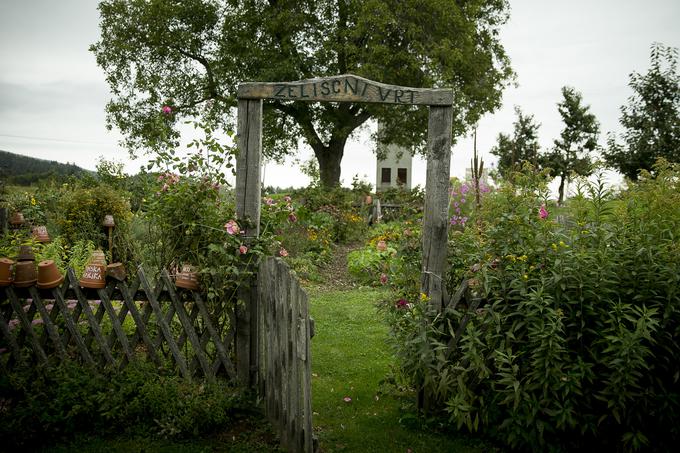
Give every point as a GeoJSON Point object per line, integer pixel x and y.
{"type": "Point", "coordinates": [127, 320]}
{"type": "Point", "coordinates": [284, 376]}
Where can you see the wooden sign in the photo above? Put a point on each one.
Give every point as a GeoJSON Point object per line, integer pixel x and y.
{"type": "Point", "coordinates": [345, 88]}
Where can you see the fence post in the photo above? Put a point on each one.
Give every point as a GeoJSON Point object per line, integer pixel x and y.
{"type": "Point", "coordinates": [248, 212]}
{"type": "Point", "coordinates": [435, 217]}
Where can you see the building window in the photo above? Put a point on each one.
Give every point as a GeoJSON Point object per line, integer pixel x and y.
{"type": "Point", "coordinates": [386, 176]}
{"type": "Point", "coordinates": [401, 176]}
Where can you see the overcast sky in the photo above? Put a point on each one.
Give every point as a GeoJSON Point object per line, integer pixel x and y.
{"type": "Point", "coordinates": [52, 94]}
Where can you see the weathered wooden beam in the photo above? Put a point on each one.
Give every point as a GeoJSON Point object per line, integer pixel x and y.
{"type": "Point", "coordinates": [435, 217]}
{"type": "Point", "coordinates": [345, 88]}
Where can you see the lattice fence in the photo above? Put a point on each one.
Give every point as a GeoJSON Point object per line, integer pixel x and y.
{"type": "Point", "coordinates": [112, 326]}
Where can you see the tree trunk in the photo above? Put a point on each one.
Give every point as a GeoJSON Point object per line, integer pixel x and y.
{"type": "Point", "coordinates": [561, 190]}
{"type": "Point", "coordinates": [329, 158]}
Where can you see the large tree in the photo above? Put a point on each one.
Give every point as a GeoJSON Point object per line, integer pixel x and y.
{"type": "Point", "coordinates": [651, 119]}
{"type": "Point", "coordinates": [192, 54]}
{"type": "Point", "coordinates": [521, 146]}
{"type": "Point", "coordinates": [570, 153]}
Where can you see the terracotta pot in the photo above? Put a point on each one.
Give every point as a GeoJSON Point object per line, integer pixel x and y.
{"type": "Point", "coordinates": [40, 234]}
{"type": "Point", "coordinates": [116, 270]}
{"type": "Point", "coordinates": [6, 269]}
{"type": "Point", "coordinates": [25, 253]}
{"type": "Point", "coordinates": [108, 221]}
{"type": "Point", "coordinates": [187, 278]}
{"type": "Point", "coordinates": [98, 257]}
{"type": "Point", "coordinates": [24, 274]}
{"type": "Point", "coordinates": [17, 219]}
{"type": "Point", "coordinates": [94, 276]}
{"type": "Point", "coordinates": [48, 275]}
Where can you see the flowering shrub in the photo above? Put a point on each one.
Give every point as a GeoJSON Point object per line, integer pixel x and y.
{"type": "Point", "coordinates": [568, 335]}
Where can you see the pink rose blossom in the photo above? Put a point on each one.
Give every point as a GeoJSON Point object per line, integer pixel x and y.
{"type": "Point", "coordinates": [167, 110]}
{"type": "Point", "coordinates": [287, 199]}
{"type": "Point", "coordinates": [232, 227]}
{"type": "Point", "coordinates": [283, 252]}
{"type": "Point", "coordinates": [542, 212]}
{"type": "Point", "coordinates": [243, 250]}
{"type": "Point", "coordinates": [269, 201]}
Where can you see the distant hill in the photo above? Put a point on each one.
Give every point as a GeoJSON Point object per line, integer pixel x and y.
{"type": "Point", "coordinates": [16, 169]}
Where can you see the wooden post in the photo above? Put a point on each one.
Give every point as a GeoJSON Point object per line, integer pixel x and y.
{"type": "Point", "coordinates": [248, 212]}
{"type": "Point", "coordinates": [3, 220]}
{"type": "Point", "coordinates": [435, 218]}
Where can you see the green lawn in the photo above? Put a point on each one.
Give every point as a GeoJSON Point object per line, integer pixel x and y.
{"type": "Point", "coordinates": [350, 357]}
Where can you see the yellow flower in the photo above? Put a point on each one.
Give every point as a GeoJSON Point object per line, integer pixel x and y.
{"type": "Point", "coordinates": [554, 246]}
{"type": "Point", "coordinates": [32, 201]}
{"type": "Point", "coordinates": [522, 258]}
{"type": "Point", "coordinates": [423, 297]}
{"type": "Point", "coordinates": [525, 277]}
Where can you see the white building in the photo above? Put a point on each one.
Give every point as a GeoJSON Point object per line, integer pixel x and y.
{"type": "Point", "coordinates": [394, 170]}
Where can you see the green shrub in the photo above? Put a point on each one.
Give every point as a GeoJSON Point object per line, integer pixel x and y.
{"type": "Point", "coordinates": [568, 338]}
{"type": "Point", "coordinates": [43, 405]}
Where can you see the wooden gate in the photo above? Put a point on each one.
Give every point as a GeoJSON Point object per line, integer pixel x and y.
{"type": "Point", "coordinates": [285, 331]}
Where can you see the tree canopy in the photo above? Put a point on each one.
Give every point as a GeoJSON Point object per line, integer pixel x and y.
{"type": "Point", "coordinates": [521, 146]}
{"type": "Point", "coordinates": [651, 120]}
{"type": "Point", "coordinates": [570, 154]}
{"type": "Point", "coordinates": [191, 55]}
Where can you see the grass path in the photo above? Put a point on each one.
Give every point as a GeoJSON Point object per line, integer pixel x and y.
{"type": "Point", "coordinates": [350, 358]}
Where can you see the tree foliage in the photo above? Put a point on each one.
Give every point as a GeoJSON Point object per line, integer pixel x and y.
{"type": "Point", "coordinates": [652, 117]}
{"type": "Point", "coordinates": [192, 54]}
{"type": "Point", "coordinates": [521, 146]}
{"type": "Point", "coordinates": [570, 154]}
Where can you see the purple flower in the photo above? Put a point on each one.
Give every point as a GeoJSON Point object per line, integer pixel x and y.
{"type": "Point", "coordinates": [269, 201]}
{"type": "Point", "coordinates": [542, 212]}
{"type": "Point", "coordinates": [166, 109]}
{"type": "Point", "coordinates": [383, 279]}
{"type": "Point", "coordinates": [402, 303]}
{"type": "Point", "coordinates": [464, 189]}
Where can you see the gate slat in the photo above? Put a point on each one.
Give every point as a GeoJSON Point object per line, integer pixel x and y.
{"type": "Point", "coordinates": [50, 328]}
{"type": "Point", "coordinates": [72, 328]}
{"type": "Point", "coordinates": [26, 324]}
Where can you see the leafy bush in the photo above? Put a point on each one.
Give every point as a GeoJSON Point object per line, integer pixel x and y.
{"type": "Point", "coordinates": [41, 405]}
{"type": "Point", "coordinates": [568, 336]}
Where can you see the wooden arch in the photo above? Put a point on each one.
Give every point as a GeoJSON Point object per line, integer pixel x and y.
{"type": "Point", "coordinates": [347, 88]}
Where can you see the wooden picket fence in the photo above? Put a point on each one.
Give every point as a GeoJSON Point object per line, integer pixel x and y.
{"type": "Point", "coordinates": [114, 325]}
{"type": "Point", "coordinates": [284, 375]}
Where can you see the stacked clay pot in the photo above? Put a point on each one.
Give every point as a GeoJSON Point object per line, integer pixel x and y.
{"type": "Point", "coordinates": [24, 271]}
{"type": "Point", "coordinates": [94, 275]}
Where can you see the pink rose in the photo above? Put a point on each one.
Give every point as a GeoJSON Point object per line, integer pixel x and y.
{"type": "Point", "coordinates": [243, 250]}
{"type": "Point", "coordinates": [542, 212]}
{"type": "Point", "coordinates": [232, 227]}
{"type": "Point", "coordinates": [166, 109]}
{"type": "Point", "coordinates": [283, 252]}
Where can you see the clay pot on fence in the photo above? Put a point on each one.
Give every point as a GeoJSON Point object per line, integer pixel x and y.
{"type": "Point", "coordinates": [6, 270]}
{"type": "Point", "coordinates": [17, 219]}
{"type": "Point", "coordinates": [116, 271]}
{"type": "Point", "coordinates": [40, 234]}
{"type": "Point", "coordinates": [48, 275]}
{"type": "Point", "coordinates": [94, 276]}
{"type": "Point", "coordinates": [187, 278]}
{"type": "Point", "coordinates": [25, 253]}
{"type": "Point", "coordinates": [25, 274]}
{"type": "Point", "coordinates": [108, 221]}
{"type": "Point", "coordinates": [98, 257]}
